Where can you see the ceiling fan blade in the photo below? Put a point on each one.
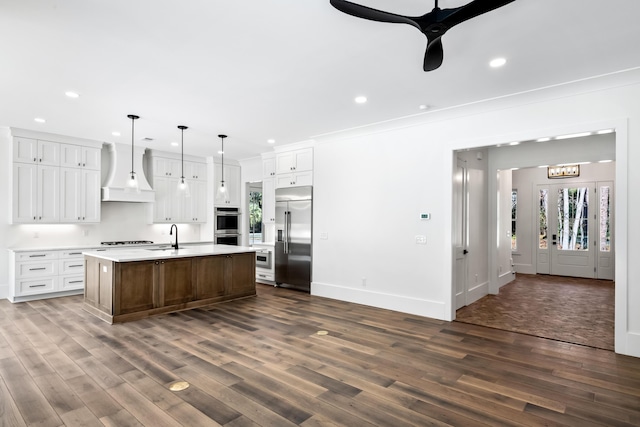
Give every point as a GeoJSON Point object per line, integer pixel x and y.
{"type": "Point", "coordinates": [470, 10]}
{"type": "Point", "coordinates": [365, 12]}
{"type": "Point", "coordinates": [434, 55]}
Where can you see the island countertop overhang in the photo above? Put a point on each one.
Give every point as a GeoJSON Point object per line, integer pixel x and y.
{"type": "Point", "coordinates": [150, 254]}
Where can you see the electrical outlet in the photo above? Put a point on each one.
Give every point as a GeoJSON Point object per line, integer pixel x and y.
{"type": "Point", "coordinates": [324, 236]}
{"type": "Point", "coordinates": [364, 282]}
{"type": "Point", "coordinates": [35, 235]}
{"type": "Point", "coordinates": [421, 240]}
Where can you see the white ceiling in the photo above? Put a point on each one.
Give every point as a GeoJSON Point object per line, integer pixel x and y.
{"type": "Point", "coordinates": [282, 69]}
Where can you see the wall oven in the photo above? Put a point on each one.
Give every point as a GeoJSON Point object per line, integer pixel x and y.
{"type": "Point", "coordinates": [226, 226]}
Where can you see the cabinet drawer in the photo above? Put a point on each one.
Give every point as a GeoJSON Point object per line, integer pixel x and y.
{"type": "Point", "coordinates": [68, 283]}
{"type": "Point", "coordinates": [35, 269]}
{"type": "Point", "coordinates": [264, 276]}
{"type": "Point", "coordinates": [71, 266]}
{"type": "Point", "coordinates": [36, 256]}
{"type": "Point", "coordinates": [35, 286]}
{"type": "Point", "coordinates": [77, 253]}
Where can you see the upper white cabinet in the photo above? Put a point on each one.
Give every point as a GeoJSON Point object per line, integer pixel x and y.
{"type": "Point", "coordinates": [36, 190]}
{"type": "Point", "coordinates": [268, 166]}
{"type": "Point", "coordinates": [293, 168]}
{"type": "Point", "coordinates": [77, 156]}
{"type": "Point", "coordinates": [172, 205]}
{"type": "Point", "coordinates": [27, 150]}
{"type": "Point", "coordinates": [232, 182]}
{"type": "Point", "coordinates": [294, 161]}
{"type": "Point", "coordinates": [268, 201]}
{"type": "Point", "coordinates": [55, 182]}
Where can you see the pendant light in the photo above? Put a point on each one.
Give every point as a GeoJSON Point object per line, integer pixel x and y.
{"type": "Point", "coordinates": [222, 191]}
{"type": "Point", "coordinates": [132, 181]}
{"type": "Point", "coordinates": [183, 187]}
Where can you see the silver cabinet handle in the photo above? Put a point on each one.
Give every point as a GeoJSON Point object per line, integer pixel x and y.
{"type": "Point", "coordinates": [76, 265]}
{"type": "Point", "coordinates": [76, 281]}
{"type": "Point", "coordinates": [39, 268]}
{"type": "Point", "coordinates": [37, 255]}
{"type": "Point", "coordinates": [38, 286]}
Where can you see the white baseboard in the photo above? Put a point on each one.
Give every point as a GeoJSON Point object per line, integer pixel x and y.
{"type": "Point", "coordinates": [525, 268]}
{"type": "Point", "coordinates": [632, 344]}
{"type": "Point", "coordinates": [403, 304]}
{"type": "Point", "coordinates": [477, 292]}
{"type": "Point", "coordinates": [505, 278]}
{"type": "Point", "coordinates": [4, 291]}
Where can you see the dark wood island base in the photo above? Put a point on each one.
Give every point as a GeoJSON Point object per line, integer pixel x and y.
{"type": "Point", "coordinates": [124, 291]}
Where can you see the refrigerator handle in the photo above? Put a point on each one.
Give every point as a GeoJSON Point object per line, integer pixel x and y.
{"type": "Point", "coordinates": [286, 232]}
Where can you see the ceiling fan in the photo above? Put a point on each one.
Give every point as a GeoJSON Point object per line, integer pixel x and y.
{"type": "Point", "coordinates": [433, 24]}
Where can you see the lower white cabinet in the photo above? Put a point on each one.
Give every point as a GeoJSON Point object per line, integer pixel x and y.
{"type": "Point", "coordinates": [42, 274]}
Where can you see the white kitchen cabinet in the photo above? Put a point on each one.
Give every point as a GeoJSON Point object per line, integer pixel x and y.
{"type": "Point", "coordinates": [78, 156]}
{"type": "Point", "coordinates": [232, 183]}
{"type": "Point", "coordinates": [43, 274]}
{"type": "Point", "coordinates": [79, 195]}
{"type": "Point", "coordinates": [294, 179]}
{"type": "Point", "coordinates": [195, 170]}
{"type": "Point", "coordinates": [268, 201]}
{"type": "Point", "coordinates": [195, 206]}
{"type": "Point", "coordinates": [36, 193]}
{"type": "Point", "coordinates": [268, 166]}
{"type": "Point", "coordinates": [167, 167]}
{"type": "Point", "coordinates": [27, 150]}
{"type": "Point", "coordinates": [294, 161]}
{"type": "Point", "coordinates": [167, 207]}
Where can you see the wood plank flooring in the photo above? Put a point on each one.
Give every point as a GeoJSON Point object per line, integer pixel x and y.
{"type": "Point", "coordinates": [260, 362]}
{"type": "Point", "coordinates": [571, 309]}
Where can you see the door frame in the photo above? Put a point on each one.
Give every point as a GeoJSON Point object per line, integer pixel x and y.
{"type": "Point", "coordinates": [620, 127]}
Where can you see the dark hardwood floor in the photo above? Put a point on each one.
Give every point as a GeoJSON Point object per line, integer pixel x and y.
{"type": "Point", "coordinates": [260, 361]}
{"type": "Point", "coordinates": [571, 309]}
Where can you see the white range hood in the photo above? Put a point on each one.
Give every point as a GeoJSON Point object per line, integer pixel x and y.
{"type": "Point", "coordinates": [115, 188]}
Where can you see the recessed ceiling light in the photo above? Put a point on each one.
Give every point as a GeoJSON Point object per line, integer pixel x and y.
{"type": "Point", "coordinates": [361, 99]}
{"type": "Point", "coordinates": [543, 166]}
{"type": "Point", "coordinates": [220, 152]}
{"type": "Point", "coordinates": [40, 120]}
{"type": "Point", "coordinates": [72, 94]}
{"type": "Point", "coordinates": [175, 144]}
{"type": "Point", "coordinates": [497, 62]}
{"type": "Point", "coordinates": [514, 143]}
{"type": "Point", "coordinates": [605, 161]}
{"type": "Point", "coordinates": [425, 107]}
{"type": "Point", "coordinates": [115, 133]}
{"type": "Point", "coordinates": [545, 139]}
{"type": "Point", "coordinates": [271, 141]}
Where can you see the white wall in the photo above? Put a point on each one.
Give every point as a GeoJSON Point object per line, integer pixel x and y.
{"type": "Point", "coordinates": [371, 184]}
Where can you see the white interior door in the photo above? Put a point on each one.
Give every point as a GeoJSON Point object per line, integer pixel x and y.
{"type": "Point", "coordinates": [575, 237]}
{"type": "Point", "coordinates": [460, 238]}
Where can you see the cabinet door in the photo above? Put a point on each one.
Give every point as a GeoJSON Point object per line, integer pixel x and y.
{"type": "Point", "coordinates": [70, 156]}
{"type": "Point", "coordinates": [167, 167]}
{"type": "Point", "coordinates": [211, 276]}
{"type": "Point", "coordinates": [70, 194]}
{"type": "Point", "coordinates": [142, 277]}
{"type": "Point", "coordinates": [25, 150]}
{"type": "Point", "coordinates": [195, 170]}
{"type": "Point", "coordinates": [25, 192]}
{"type": "Point", "coordinates": [268, 167]}
{"type": "Point", "coordinates": [268, 201]}
{"type": "Point", "coordinates": [91, 158]}
{"type": "Point", "coordinates": [232, 180]}
{"type": "Point", "coordinates": [164, 205]}
{"type": "Point", "coordinates": [48, 153]}
{"type": "Point", "coordinates": [303, 160]}
{"type": "Point", "coordinates": [48, 194]}
{"type": "Point", "coordinates": [176, 282]}
{"type": "Point", "coordinates": [285, 162]}
{"type": "Point", "coordinates": [195, 206]}
{"type": "Point", "coordinates": [90, 195]}
{"type": "Point", "coordinates": [243, 272]}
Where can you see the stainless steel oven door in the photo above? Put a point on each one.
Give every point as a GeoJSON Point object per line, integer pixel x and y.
{"type": "Point", "coordinates": [227, 239]}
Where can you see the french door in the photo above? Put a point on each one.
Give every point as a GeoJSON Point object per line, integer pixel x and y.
{"type": "Point", "coordinates": [576, 230]}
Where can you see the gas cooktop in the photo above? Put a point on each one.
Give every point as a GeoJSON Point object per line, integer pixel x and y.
{"type": "Point", "coordinates": [127, 242]}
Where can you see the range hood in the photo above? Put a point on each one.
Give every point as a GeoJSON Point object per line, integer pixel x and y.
{"type": "Point", "coordinates": [115, 187]}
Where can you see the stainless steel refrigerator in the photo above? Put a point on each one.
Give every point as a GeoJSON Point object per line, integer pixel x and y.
{"type": "Point", "coordinates": [293, 237]}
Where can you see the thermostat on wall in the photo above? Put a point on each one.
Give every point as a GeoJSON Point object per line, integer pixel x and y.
{"type": "Point", "coordinates": [425, 216]}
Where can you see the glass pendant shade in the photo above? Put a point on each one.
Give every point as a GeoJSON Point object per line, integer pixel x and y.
{"type": "Point", "coordinates": [183, 186]}
{"type": "Point", "coordinates": [132, 180]}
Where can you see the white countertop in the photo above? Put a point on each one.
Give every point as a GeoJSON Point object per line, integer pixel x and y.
{"type": "Point", "coordinates": [99, 246]}
{"type": "Point", "coordinates": [142, 254]}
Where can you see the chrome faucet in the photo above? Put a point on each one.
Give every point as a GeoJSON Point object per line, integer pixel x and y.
{"type": "Point", "coordinates": [171, 234]}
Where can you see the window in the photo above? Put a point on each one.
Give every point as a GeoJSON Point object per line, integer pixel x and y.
{"type": "Point", "coordinates": [514, 217]}
{"type": "Point", "coordinates": [573, 219]}
{"type": "Point", "coordinates": [255, 217]}
{"type": "Point", "coordinates": [543, 214]}
{"type": "Point", "coordinates": [605, 218]}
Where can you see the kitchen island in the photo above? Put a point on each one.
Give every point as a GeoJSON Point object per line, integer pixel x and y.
{"type": "Point", "coordinates": [130, 284]}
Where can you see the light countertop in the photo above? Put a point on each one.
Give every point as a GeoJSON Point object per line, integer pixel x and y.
{"type": "Point", "coordinates": [105, 247]}
{"type": "Point", "coordinates": [149, 254]}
